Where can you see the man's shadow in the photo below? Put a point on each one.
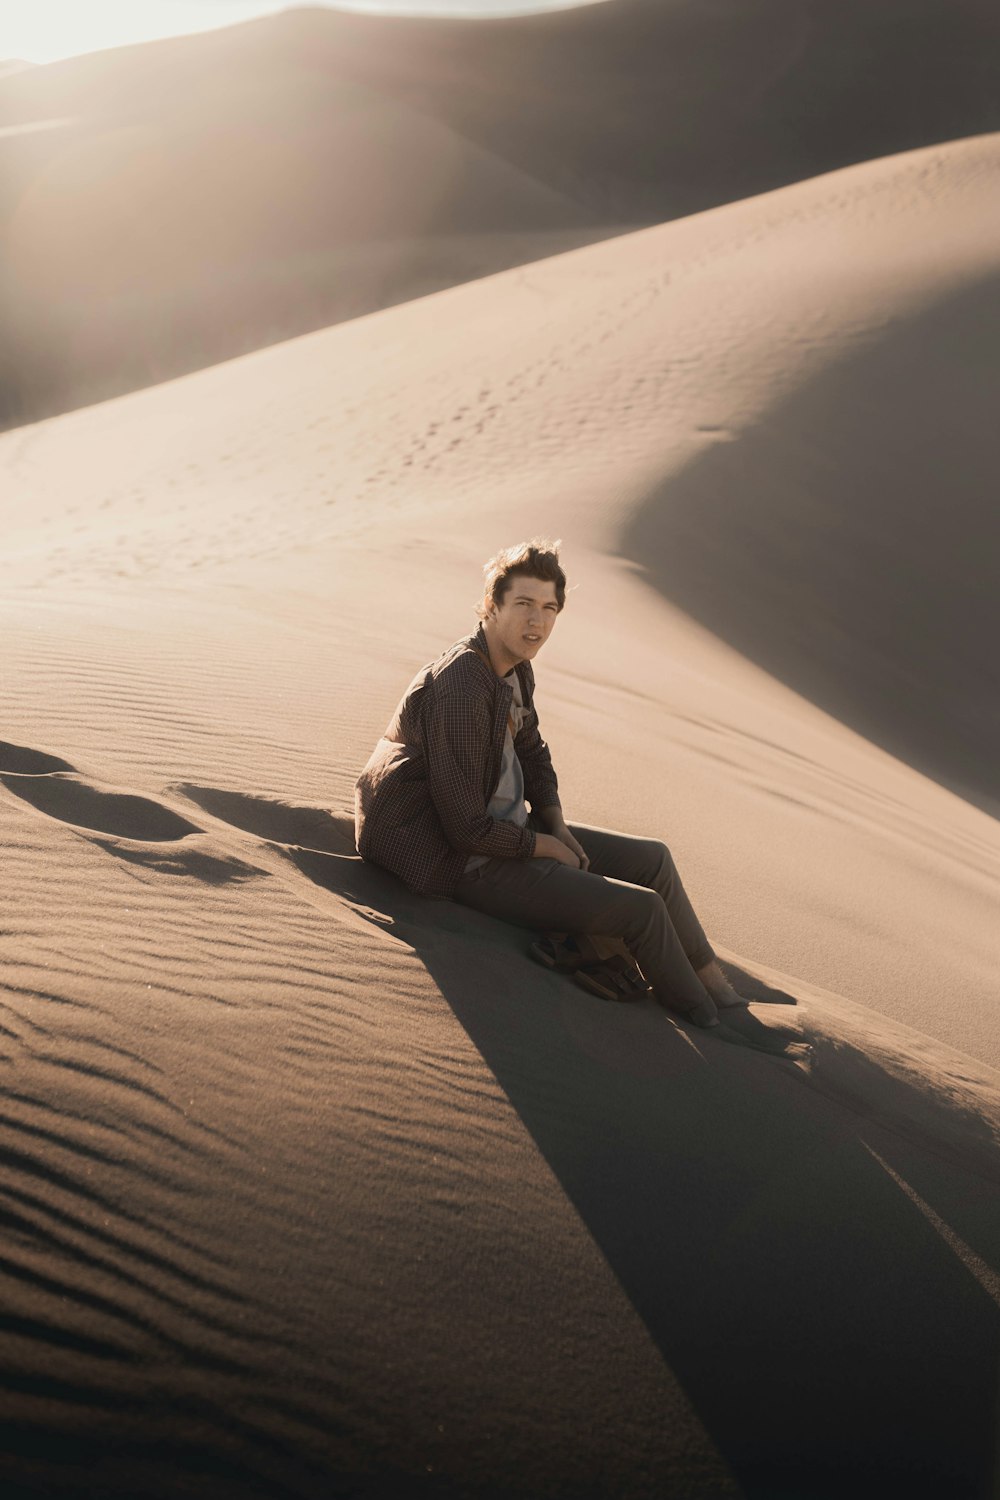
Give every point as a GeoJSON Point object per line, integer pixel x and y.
{"type": "Point", "coordinates": [784, 1251]}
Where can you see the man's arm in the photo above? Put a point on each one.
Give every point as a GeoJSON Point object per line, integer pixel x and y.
{"type": "Point", "coordinates": [541, 786]}
{"type": "Point", "coordinates": [559, 833]}
{"type": "Point", "coordinates": [457, 729]}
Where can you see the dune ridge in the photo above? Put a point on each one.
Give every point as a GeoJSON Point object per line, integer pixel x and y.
{"type": "Point", "coordinates": [203, 196]}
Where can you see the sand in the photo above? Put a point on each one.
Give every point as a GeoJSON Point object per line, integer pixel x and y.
{"type": "Point", "coordinates": [313, 1187]}
{"type": "Point", "coordinates": [169, 205]}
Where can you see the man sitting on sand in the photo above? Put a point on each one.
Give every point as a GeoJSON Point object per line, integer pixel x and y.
{"type": "Point", "coordinates": [442, 802]}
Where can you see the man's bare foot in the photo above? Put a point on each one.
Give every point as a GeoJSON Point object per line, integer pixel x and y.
{"type": "Point", "coordinates": [718, 986]}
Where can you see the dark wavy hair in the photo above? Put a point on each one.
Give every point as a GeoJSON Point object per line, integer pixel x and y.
{"type": "Point", "coordinates": [538, 558]}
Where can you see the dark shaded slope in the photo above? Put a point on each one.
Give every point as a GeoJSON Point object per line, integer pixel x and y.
{"type": "Point", "coordinates": [850, 542]}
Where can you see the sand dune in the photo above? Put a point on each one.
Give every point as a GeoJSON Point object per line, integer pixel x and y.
{"type": "Point", "coordinates": [209, 195]}
{"type": "Point", "coordinates": [314, 1187]}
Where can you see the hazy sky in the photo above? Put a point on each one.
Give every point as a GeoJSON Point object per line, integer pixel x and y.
{"type": "Point", "coordinates": [43, 30]}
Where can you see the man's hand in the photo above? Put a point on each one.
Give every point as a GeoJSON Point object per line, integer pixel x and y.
{"type": "Point", "coordinates": [547, 846]}
{"type": "Point", "coordinates": [573, 845]}
{"type": "Point", "coordinates": [571, 851]}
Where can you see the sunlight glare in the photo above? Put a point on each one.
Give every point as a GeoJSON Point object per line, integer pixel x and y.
{"type": "Point", "coordinates": [47, 30]}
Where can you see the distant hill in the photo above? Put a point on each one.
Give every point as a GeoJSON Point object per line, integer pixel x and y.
{"type": "Point", "coordinates": [170, 205]}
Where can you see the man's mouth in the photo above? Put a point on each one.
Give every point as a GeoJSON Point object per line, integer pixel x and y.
{"type": "Point", "coordinates": [532, 637]}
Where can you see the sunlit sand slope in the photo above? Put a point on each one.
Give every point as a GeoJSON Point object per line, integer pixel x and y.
{"type": "Point", "coordinates": [316, 1187]}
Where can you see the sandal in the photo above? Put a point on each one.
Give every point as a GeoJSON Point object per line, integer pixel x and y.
{"type": "Point", "coordinates": [558, 951]}
{"type": "Point", "coordinates": [613, 978]}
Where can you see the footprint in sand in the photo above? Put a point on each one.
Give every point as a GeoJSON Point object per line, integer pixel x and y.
{"type": "Point", "coordinates": [54, 787]}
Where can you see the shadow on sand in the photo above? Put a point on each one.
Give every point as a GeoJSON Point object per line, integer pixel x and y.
{"type": "Point", "coordinates": [783, 1248]}
{"type": "Point", "coordinates": [848, 542]}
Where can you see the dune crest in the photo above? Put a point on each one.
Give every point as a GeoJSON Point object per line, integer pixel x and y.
{"type": "Point", "coordinates": [200, 196]}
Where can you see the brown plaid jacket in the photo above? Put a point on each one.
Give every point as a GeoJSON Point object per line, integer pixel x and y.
{"type": "Point", "coordinates": [420, 802]}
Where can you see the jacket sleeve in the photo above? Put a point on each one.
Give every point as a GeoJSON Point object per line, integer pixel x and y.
{"type": "Point", "coordinates": [458, 735]}
{"type": "Point", "coordinates": [541, 787]}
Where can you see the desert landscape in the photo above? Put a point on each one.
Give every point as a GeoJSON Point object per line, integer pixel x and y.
{"type": "Point", "coordinates": [314, 1187]}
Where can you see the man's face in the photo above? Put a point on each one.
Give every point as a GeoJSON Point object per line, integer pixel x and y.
{"type": "Point", "coordinates": [525, 618]}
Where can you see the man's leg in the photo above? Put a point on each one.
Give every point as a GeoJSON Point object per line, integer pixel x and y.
{"type": "Point", "coordinates": [649, 862]}
{"type": "Point", "coordinates": [547, 895]}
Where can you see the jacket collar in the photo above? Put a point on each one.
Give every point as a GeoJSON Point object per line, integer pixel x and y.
{"type": "Point", "coordinates": [478, 642]}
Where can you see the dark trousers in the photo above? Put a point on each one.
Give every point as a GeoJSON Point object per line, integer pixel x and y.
{"type": "Point", "coordinates": [632, 891]}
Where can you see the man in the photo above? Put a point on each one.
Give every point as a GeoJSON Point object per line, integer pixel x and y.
{"type": "Point", "coordinates": [442, 802]}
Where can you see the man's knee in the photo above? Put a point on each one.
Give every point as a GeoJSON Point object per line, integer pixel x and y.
{"type": "Point", "coordinates": [644, 908]}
